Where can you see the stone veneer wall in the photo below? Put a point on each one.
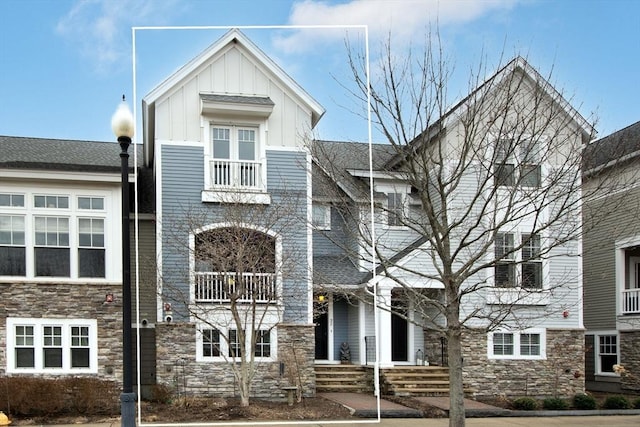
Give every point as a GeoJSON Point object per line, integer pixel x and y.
{"type": "Point", "coordinates": [561, 374]}
{"type": "Point", "coordinates": [178, 369]}
{"type": "Point", "coordinates": [69, 301]}
{"type": "Point", "coordinates": [630, 359]}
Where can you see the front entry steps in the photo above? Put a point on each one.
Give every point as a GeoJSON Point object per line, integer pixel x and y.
{"type": "Point", "coordinates": [397, 381]}
{"type": "Point", "coordinates": [416, 381]}
{"type": "Point", "coordinates": [343, 378]}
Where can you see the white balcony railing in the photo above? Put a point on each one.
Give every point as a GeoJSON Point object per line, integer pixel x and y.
{"type": "Point", "coordinates": [631, 301]}
{"type": "Point", "coordinates": [237, 175]}
{"type": "Point", "coordinates": [246, 287]}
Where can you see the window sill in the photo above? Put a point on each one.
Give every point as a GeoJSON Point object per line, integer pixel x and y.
{"type": "Point", "coordinates": [245, 197]}
{"type": "Point", "coordinates": [517, 296]}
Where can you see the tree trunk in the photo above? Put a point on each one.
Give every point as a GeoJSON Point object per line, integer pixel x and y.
{"type": "Point", "coordinates": [454, 351]}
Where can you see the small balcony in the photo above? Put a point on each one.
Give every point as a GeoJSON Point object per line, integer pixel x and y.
{"type": "Point", "coordinates": [219, 287]}
{"type": "Point", "coordinates": [631, 301]}
{"type": "Point", "coordinates": [244, 175]}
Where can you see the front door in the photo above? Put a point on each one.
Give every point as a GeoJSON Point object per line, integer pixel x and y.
{"type": "Point", "coordinates": [322, 334]}
{"type": "Point", "coordinates": [399, 338]}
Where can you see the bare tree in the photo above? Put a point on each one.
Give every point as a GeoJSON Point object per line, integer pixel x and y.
{"type": "Point", "coordinates": [505, 161]}
{"type": "Point", "coordinates": [237, 280]}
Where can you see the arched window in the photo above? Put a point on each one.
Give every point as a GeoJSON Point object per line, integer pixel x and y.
{"type": "Point", "coordinates": [235, 264]}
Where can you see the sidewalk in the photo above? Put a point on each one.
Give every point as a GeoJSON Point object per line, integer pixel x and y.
{"type": "Point", "coordinates": [590, 421]}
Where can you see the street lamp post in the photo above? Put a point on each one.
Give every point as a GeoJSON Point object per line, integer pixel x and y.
{"type": "Point", "coordinates": [122, 124]}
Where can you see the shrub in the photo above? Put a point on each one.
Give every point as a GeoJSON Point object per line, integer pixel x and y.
{"type": "Point", "coordinates": [161, 393]}
{"type": "Point", "coordinates": [584, 401]}
{"type": "Point", "coordinates": [616, 402]}
{"type": "Point", "coordinates": [636, 403]}
{"type": "Point", "coordinates": [554, 404]}
{"type": "Point", "coordinates": [525, 404]}
{"type": "Point", "coordinates": [41, 397]}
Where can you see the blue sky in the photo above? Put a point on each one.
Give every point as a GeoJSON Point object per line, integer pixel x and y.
{"type": "Point", "coordinates": [64, 64]}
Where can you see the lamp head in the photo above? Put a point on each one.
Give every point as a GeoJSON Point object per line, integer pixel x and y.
{"type": "Point", "coordinates": [122, 122]}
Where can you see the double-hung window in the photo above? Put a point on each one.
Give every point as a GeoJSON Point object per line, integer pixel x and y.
{"type": "Point", "coordinates": [517, 163]}
{"type": "Point", "coordinates": [528, 344]}
{"type": "Point", "coordinates": [234, 154]}
{"type": "Point", "coordinates": [12, 245]}
{"type": "Point", "coordinates": [213, 345]}
{"type": "Point", "coordinates": [51, 250]}
{"type": "Point", "coordinates": [607, 353]}
{"type": "Point", "coordinates": [51, 345]}
{"type": "Point", "coordinates": [505, 269]}
{"type": "Point", "coordinates": [517, 268]}
{"type": "Point", "coordinates": [395, 209]}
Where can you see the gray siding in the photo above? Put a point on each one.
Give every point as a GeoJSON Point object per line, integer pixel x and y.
{"type": "Point", "coordinates": [182, 183]}
{"type": "Point", "coordinates": [600, 236]}
{"type": "Point", "coordinates": [340, 329]}
{"type": "Point", "coordinates": [147, 268]}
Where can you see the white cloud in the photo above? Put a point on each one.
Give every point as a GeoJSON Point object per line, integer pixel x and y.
{"type": "Point", "coordinates": [101, 29]}
{"type": "Point", "coordinates": [401, 18]}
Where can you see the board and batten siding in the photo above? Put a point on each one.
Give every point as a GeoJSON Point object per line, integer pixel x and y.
{"type": "Point", "coordinates": [147, 272]}
{"type": "Point", "coordinates": [231, 71]}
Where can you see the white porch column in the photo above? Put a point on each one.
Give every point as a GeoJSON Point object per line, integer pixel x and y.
{"type": "Point", "coordinates": [384, 326]}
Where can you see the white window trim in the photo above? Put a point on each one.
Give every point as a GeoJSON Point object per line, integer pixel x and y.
{"type": "Point", "coordinates": [209, 193]}
{"type": "Point", "coordinates": [110, 214]}
{"type": "Point", "coordinates": [224, 345]}
{"type": "Point", "coordinates": [596, 352]}
{"type": "Point", "coordinates": [516, 345]}
{"type": "Point", "coordinates": [38, 325]}
{"type": "Point", "coordinates": [388, 188]}
{"type": "Point", "coordinates": [621, 247]}
{"type": "Point", "coordinates": [517, 161]}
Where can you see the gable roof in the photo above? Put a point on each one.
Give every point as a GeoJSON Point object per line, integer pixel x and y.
{"type": "Point", "coordinates": [516, 64]}
{"type": "Point", "coordinates": [612, 150]}
{"type": "Point", "coordinates": [234, 36]}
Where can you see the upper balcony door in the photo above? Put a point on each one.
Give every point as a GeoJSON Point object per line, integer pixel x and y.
{"type": "Point", "coordinates": [234, 154]}
{"type": "Point", "coordinates": [631, 293]}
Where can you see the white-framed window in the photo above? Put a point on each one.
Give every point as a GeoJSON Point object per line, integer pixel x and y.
{"type": "Point", "coordinates": [527, 344]}
{"type": "Point", "coordinates": [263, 344]}
{"type": "Point", "coordinates": [11, 200]}
{"type": "Point", "coordinates": [91, 250]}
{"type": "Point", "coordinates": [214, 346]}
{"type": "Point", "coordinates": [234, 151]}
{"type": "Point", "coordinates": [210, 343]}
{"type": "Point", "coordinates": [517, 163]}
{"type": "Point", "coordinates": [54, 235]}
{"type": "Point", "coordinates": [12, 245]}
{"type": "Point", "coordinates": [517, 268]}
{"type": "Point", "coordinates": [51, 248]}
{"type": "Point", "coordinates": [52, 346]}
{"type": "Point", "coordinates": [321, 216]}
{"type": "Point", "coordinates": [395, 209]}
{"type": "Point", "coordinates": [606, 353]}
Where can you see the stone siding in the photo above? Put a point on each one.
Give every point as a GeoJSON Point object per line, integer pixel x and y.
{"type": "Point", "coordinates": [630, 359]}
{"type": "Point", "coordinates": [178, 368]}
{"type": "Point", "coordinates": [67, 301]}
{"type": "Point", "coordinates": [561, 374]}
